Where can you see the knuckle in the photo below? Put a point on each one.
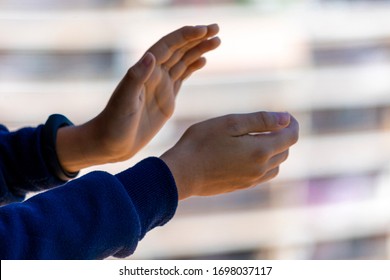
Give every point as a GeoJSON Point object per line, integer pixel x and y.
{"type": "Point", "coordinates": [196, 131]}
{"type": "Point", "coordinates": [232, 124]}
{"type": "Point", "coordinates": [186, 32]}
{"type": "Point", "coordinates": [193, 128]}
{"type": "Point", "coordinates": [264, 119]}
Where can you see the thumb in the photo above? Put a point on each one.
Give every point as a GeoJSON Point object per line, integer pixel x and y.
{"type": "Point", "coordinates": [258, 122]}
{"type": "Point", "coordinates": [127, 92]}
{"type": "Point", "coordinates": [137, 75]}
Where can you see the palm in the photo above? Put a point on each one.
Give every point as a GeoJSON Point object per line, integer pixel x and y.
{"type": "Point", "coordinates": [157, 101]}
{"type": "Point", "coordinates": [160, 93]}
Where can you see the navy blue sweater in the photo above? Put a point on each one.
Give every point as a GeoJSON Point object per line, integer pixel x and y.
{"type": "Point", "coordinates": [92, 217]}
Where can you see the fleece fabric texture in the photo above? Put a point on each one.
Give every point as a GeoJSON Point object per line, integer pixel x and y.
{"type": "Point", "coordinates": [93, 217]}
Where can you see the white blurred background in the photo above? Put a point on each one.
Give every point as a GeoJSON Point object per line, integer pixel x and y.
{"type": "Point", "coordinates": [326, 62]}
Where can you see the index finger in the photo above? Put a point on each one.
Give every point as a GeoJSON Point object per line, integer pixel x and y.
{"type": "Point", "coordinates": [168, 44]}
{"type": "Point", "coordinates": [256, 123]}
{"type": "Point", "coordinates": [280, 140]}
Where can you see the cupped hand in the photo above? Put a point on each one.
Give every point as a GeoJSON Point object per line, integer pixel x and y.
{"type": "Point", "coordinates": [232, 152]}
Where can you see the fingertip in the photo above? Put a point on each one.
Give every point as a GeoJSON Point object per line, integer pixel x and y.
{"type": "Point", "coordinates": [209, 30]}
{"type": "Point", "coordinates": [202, 61]}
{"type": "Point", "coordinates": [141, 71]}
{"type": "Point", "coordinates": [214, 27]}
{"type": "Point", "coordinates": [216, 41]}
{"type": "Point", "coordinates": [197, 65]}
{"type": "Point", "coordinates": [294, 124]}
{"type": "Point", "coordinates": [283, 118]}
{"type": "Point", "coordinates": [212, 30]}
{"type": "Point", "coordinates": [201, 30]}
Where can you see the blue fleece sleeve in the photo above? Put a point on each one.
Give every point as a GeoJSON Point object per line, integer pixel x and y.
{"type": "Point", "coordinates": [22, 166]}
{"type": "Point", "coordinates": [93, 217]}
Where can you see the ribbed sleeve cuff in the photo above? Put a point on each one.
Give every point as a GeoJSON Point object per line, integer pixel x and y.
{"type": "Point", "coordinates": [153, 191]}
{"type": "Point", "coordinates": [49, 139]}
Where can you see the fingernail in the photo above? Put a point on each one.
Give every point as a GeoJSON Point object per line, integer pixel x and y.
{"type": "Point", "coordinates": [147, 60]}
{"type": "Point", "coordinates": [283, 118]}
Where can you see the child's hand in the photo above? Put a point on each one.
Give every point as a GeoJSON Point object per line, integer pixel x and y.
{"type": "Point", "coordinates": [145, 98]}
{"type": "Point", "coordinates": [231, 152]}
{"type": "Point", "coordinates": [142, 102]}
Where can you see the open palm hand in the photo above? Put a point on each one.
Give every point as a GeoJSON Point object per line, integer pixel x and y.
{"type": "Point", "coordinates": [144, 100]}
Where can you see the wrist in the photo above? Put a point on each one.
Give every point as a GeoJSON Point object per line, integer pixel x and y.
{"type": "Point", "coordinates": [78, 147]}
{"type": "Point", "coordinates": [183, 182]}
